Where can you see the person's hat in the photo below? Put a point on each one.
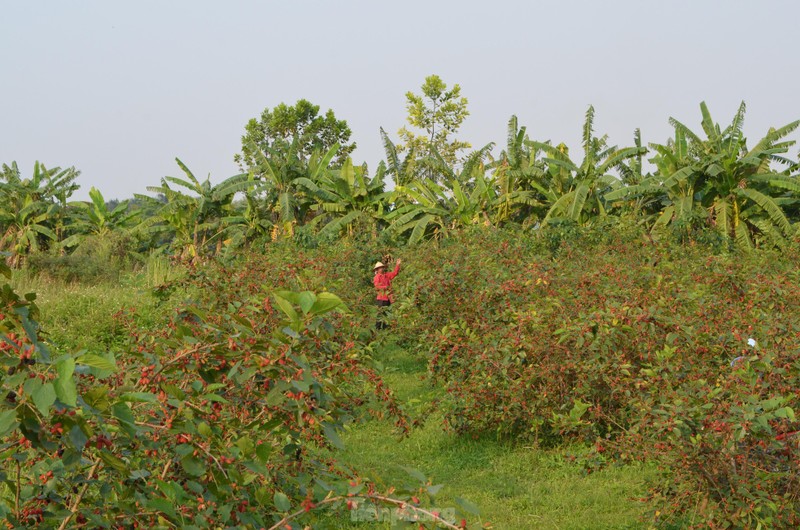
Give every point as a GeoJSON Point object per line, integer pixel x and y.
{"type": "Point", "coordinates": [378, 265]}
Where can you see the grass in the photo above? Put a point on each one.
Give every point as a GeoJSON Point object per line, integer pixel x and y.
{"type": "Point", "coordinates": [76, 316]}
{"type": "Point", "coordinates": [515, 486]}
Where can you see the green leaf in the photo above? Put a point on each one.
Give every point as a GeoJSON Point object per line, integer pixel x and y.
{"type": "Point", "coordinates": [113, 462]}
{"type": "Point", "coordinates": [286, 306]}
{"type": "Point", "coordinates": [8, 421]}
{"type": "Point", "coordinates": [204, 429]}
{"type": "Point", "coordinates": [215, 397]}
{"type": "Point", "coordinates": [95, 361]}
{"type": "Point", "coordinates": [174, 391]}
{"type": "Point", "coordinates": [263, 451]}
{"type": "Point", "coordinates": [275, 396]}
{"type": "Point", "coordinates": [123, 413]}
{"type": "Point", "coordinates": [416, 474]}
{"type": "Point", "coordinates": [282, 502]}
{"type": "Point", "coordinates": [306, 301]}
{"type": "Point", "coordinates": [433, 490]}
{"type": "Point", "coordinates": [64, 385]}
{"type": "Point", "coordinates": [139, 397]}
{"type": "Point", "coordinates": [193, 466]}
{"type": "Point", "coordinates": [162, 505]}
{"type": "Point", "coordinates": [332, 435]}
{"type": "Point", "coordinates": [326, 302]}
{"type": "Point", "coordinates": [78, 438]}
{"type": "Point", "coordinates": [44, 397]}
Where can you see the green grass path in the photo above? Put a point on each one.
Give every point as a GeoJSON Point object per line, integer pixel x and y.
{"type": "Point", "coordinates": [514, 485]}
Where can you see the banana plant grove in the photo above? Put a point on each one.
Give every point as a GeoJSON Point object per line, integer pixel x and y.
{"type": "Point", "coordinates": [698, 180]}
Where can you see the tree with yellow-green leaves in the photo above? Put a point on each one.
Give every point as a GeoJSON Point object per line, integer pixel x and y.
{"type": "Point", "coordinates": [438, 112]}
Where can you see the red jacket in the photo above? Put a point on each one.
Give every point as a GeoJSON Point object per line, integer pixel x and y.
{"type": "Point", "coordinates": [383, 283]}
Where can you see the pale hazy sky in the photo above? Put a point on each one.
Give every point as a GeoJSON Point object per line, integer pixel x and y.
{"type": "Point", "coordinates": [119, 89]}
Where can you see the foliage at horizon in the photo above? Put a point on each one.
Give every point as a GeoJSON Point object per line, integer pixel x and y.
{"type": "Point", "coordinates": [309, 185]}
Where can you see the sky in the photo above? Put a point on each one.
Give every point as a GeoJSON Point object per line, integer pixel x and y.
{"type": "Point", "coordinates": [120, 89]}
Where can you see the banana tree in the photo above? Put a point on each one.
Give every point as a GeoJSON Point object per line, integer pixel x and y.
{"type": "Point", "coordinates": [195, 220]}
{"type": "Point", "coordinates": [26, 229]}
{"type": "Point", "coordinates": [32, 209]}
{"type": "Point", "coordinates": [432, 209]}
{"type": "Point", "coordinates": [245, 222]}
{"type": "Point", "coordinates": [348, 197]}
{"type": "Point", "coordinates": [737, 187]}
{"type": "Point", "coordinates": [575, 191]}
{"type": "Point", "coordinates": [292, 182]}
{"type": "Point", "coordinates": [665, 197]}
{"type": "Point", "coordinates": [96, 218]}
{"type": "Point", "coordinates": [401, 170]}
{"type": "Point", "coordinates": [517, 165]}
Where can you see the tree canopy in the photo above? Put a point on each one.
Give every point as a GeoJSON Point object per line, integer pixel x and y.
{"type": "Point", "coordinates": [439, 112]}
{"type": "Point", "coordinates": [300, 128]}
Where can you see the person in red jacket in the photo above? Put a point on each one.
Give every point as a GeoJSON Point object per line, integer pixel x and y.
{"type": "Point", "coordinates": [383, 287]}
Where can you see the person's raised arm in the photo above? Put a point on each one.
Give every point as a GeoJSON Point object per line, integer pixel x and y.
{"type": "Point", "coordinates": [392, 274]}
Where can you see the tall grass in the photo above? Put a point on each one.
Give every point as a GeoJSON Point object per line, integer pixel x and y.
{"type": "Point", "coordinates": [158, 270]}
{"type": "Point", "coordinates": [77, 316]}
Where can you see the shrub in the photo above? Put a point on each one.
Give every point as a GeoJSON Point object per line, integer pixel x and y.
{"type": "Point", "coordinates": [210, 420]}
{"type": "Point", "coordinates": [611, 339]}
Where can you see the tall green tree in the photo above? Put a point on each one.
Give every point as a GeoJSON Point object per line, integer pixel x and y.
{"type": "Point", "coordinates": [439, 113]}
{"type": "Point", "coordinates": [299, 128]}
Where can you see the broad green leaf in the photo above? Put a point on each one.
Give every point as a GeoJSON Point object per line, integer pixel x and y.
{"type": "Point", "coordinates": [64, 385]}
{"type": "Point", "coordinates": [113, 461]}
{"type": "Point", "coordinates": [193, 466]}
{"type": "Point", "coordinates": [140, 397]}
{"type": "Point", "coordinates": [286, 306]}
{"type": "Point", "coordinates": [276, 396]}
{"type": "Point", "coordinates": [162, 505]}
{"type": "Point", "coordinates": [44, 397]}
{"type": "Point", "coordinates": [215, 397]}
{"type": "Point", "coordinates": [433, 490]}
{"type": "Point", "coordinates": [95, 361]}
{"type": "Point", "coordinates": [78, 438]}
{"type": "Point", "coordinates": [326, 302]}
{"type": "Point", "coordinates": [467, 506]}
{"type": "Point", "coordinates": [204, 429]}
{"type": "Point", "coordinates": [282, 502]}
{"type": "Point", "coordinates": [332, 435]}
{"type": "Point", "coordinates": [306, 300]}
{"type": "Point", "coordinates": [174, 391]}
{"type": "Point", "coordinates": [8, 421]}
{"type": "Point", "coordinates": [263, 451]}
{"type": "Point", "coordinates": [416, 474]}
{"type": "Point", "coordinates": [123, 413]}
